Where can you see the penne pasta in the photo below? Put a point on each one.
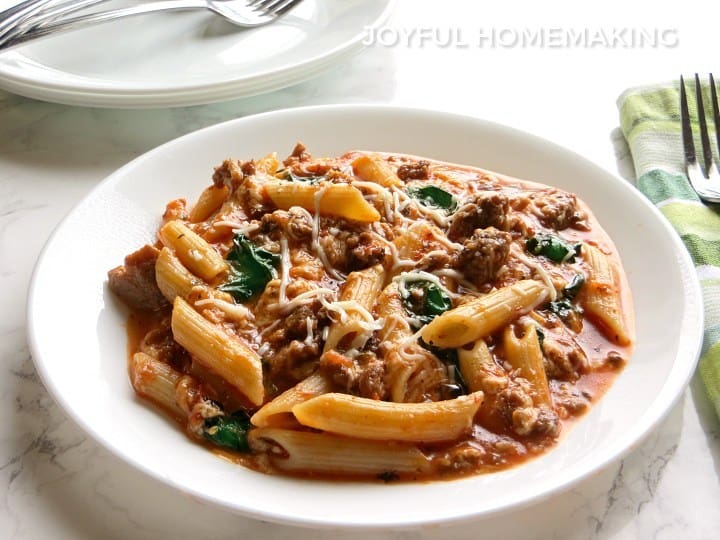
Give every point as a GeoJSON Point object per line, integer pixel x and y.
{"type": "Point", "coordinates": [156, 380]}
{"type": "Point", "coordinates": [277, 410]}
{"type": "Point", "coordinates": [411, 371]}
{"type": "Point", "coordinates": [218, 351]}
{"type": "Point", "coordinates": [375, 169]}
{"type": "Point", "coordinates": [340, 200]}
{"type": "Point", "coordinates": [365, 418]}
{"type": "Point", "coordinates": [305, 451]}
{"type": "Point", "coordinates": [479, 369]}
{"type": "Point", "coordinates": [358, 295]}
{"type": "Point", "coordinates": [602, 299]}
{"type": "Point", "coordinates": [194, 252]}
{"type": "Point", "coordinates": [483, 316]}
{"type": "Point", "coordinates": [210, 200]}
{"type": "Point", "coordinates": [524, 354]}
{"type": "Point", "coordinates": [173, 279]}
{"type": "Point", "coordinates": [268, 164]}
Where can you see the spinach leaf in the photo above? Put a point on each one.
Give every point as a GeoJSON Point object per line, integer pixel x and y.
{"type": "Point", "coordinates": [449, 357]}
{"type": "Point", "coordinates": [287, 174]}
{"type": "Point", "coordinates": [540, 335]}
{"type": "Point", "coordinates": [572, 289]}
{"type": "Point", "coordinates": [562, 308]}
{"type": "Point", "coordinates": [433, 196]}
{"type": "Point", "coordinates": [228, 431]}
{"type": "Point", "coordinates": [425, 300]}
{"type": "Point", "coordinates": [553, 247]}
{"type": "Point", "coordinates": [250, 269]}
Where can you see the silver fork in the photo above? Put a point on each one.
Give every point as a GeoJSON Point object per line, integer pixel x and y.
{"type": "Point", "coordinates": [704, 177]}
{"type": "Point", "coordinates": [243, 13]}
{"type": "Point", "coordinates": [29, 14]}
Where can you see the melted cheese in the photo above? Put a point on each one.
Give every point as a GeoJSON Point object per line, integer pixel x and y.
{"type": "Point", "coordinates": [284, 270]}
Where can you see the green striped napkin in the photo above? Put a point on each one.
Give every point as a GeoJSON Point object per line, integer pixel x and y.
{"type": "Point", "coordinates": [650, 121]}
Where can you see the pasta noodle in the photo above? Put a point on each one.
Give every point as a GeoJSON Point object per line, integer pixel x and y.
{"type": "Point", "coordinates": [375, 316]}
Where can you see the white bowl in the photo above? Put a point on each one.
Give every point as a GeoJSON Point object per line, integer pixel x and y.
{"type": "Point", "coordinates": [78, 339]}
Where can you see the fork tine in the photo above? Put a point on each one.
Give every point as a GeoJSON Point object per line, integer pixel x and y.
{"type": "Point", "coordinates": [289, 4]}
{"type": "Point", "coordinates": [264, 5]}
{"type": "Point", "coordinates": [687, 136]}
{"type": "Point", "coordinates": [704, 139]}
{"type": "Point", "coordinates": [272, 7]}
{"type": "Point", "coordinates": [716, 110]}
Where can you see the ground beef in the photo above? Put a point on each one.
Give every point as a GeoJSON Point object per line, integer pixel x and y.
{"type": "Point", "coordinates": [296, 360]}
{"type": "Point", "coordinates": [159, 343]}
{"type": "Point", "coordinates": [568, 400]}
{"type": "Point", "coordinates": [292, 223]}
{"type": "Point", "coordinates": [488, 210]}
{"type": "Point", "coordinates": [536, 422]}
{"type": "Point", "coordinates": [349, 248]}
{"type": "Point", "coordinates": [563, 357]}
{"type": "Point", "coordinates": [248, 168]}
{"type": "Point", "coordinates": [247, 191]}
{"type": "Point", "coordinates": [296, 323]}
{"type": "Point", "coordinates": [134, 282]}
{"type": "Point", "coordinates": [338, 369]}
{"type": "Point", "coordinates": [300, 153]}
{"type": "Point", "coordinates": [558, 210]}
{"type": "Point", "coordinates": [516, 406]}
{"type": "Point", "coordinates": [371, 383]}
{"type": "Point", "coordinates": [176, 209]}
{"type": "Point", "coordinates": [222, 176]}
{"type": "Point", "coordinates": [419, 170]}
{"type": "Point", "coordinates": [362, 376]}
{"type": "Point", "coordinates": [483, 254]}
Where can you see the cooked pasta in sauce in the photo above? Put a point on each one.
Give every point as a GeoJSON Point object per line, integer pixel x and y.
{"type": "Point", "coordinates": [375, 316]}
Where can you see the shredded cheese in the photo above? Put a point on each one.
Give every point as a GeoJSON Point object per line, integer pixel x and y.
{"type": "Point", "coordinates": [310, 335]}
{"type": "Point", "coordinates": [302, 299]}
{"type": "Point", "coordinates": [237, 312]}
{"type": "Point", "coordinates": [237, 227]}
{"type": "Point", "coordinates": [284, 270]}
{"type": "Point", "coordinates": [544, 276]}
{"type": "Point", "coordinates": [419, 275]}
{"type": "Point", "coordinates": [316, 241]}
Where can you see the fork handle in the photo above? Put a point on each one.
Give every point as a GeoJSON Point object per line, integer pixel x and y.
{"type": "Point", "coordinates": [16, 14]}
{"type": "Point", "coordinates": [83, 21]}
{"type": "Point", "coordinates": [41, 17]}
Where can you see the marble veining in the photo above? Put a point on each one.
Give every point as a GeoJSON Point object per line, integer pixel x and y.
{"type": "Point", "coordinates": [58, 483]}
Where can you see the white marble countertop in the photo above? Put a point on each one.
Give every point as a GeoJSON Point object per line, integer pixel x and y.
{"type": "Point", "coordinates": [56, 483]}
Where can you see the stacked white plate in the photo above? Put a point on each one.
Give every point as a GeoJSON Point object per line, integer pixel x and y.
{"type": "Point", "coordinates": [187, 58]}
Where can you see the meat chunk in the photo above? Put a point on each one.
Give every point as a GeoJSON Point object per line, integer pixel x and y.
{"type": "Point", "coordinates": [483, 254]}
{"type": "Point", "coordinates": [296, 360]}
{"type": "Point", "coordinates": [294, 223]}
{"type": "Point", "coordinates": [563, 357]}
{"type": "Point", "coordinates": [419, 170]}
{"type": "Point", "coordinates": [362, 376]}
{"type": "Point", "coordinates": [299, 321]}
{"type": "Point", "coordinates": [248, 191]}
{"type": "Point", "coordinates": [569, 400]}
{"type": "Point", "coordinates": [159, 343]}
{"type": "Point", "coordinates": [488, 210]}
{"type": "Point", "coordinates": [536, 421]}
{"type": "Point", "coordinates": [134, 282]}
{"type": "Point", "coordinates": [350, 248]}
{"type": "Point", "coordinates": [338, 369]}
{"type": "Point", "coordinates": [516, 405]}
{"type": "Point", "coordinates": [558, 210]}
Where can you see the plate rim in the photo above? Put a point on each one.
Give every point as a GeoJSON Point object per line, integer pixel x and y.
{"type": "Point", "coordinates": [689, 344]}
{"type": "Point", "coordinates": [95, 93]}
